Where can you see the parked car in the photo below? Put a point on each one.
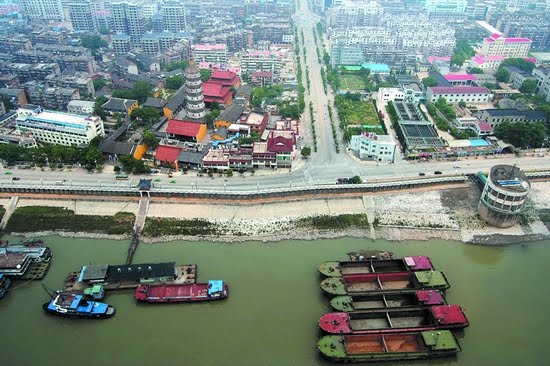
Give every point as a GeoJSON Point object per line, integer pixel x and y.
{"type": "Point", "coordinates": [343, 181]}
{"type": "Point", "coordinates": [421, 174]}
{"type": "Point", "coordinates": [456, 166]}
{"type": "Point", "coordinates": [15, 178]}
{"type": "Point", "coordinates": [438, 172]}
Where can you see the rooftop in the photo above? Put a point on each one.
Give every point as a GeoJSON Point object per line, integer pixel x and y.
{"type": "Point", "coordinates": [167, 153]}
{"type": "Point", "coordinates": [460, 77]}
{"type": "Point", "coordinates": [459, 90]}
{"type": "Point", "coordinates": [509, 177]}
{"type": "Point", "coordinates": [209, 47]}
{"type": "Point", "coordinates": [183, 128]}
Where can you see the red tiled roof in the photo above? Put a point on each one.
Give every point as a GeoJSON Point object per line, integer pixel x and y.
{"type": "Point", "coordinates": [484, 127]}
{"type": "Point", "coordinates": [215, 90]}
{"type": "Point", "coordinates": [262, 74]}
{"type": "Point", "coordinates": [279, 144]}
{"type": "Point", "coordinates": [167, 153]}
{"type": "Point", "coordinates": [226, 75]}
{"type": "Point", "coordinates": [183, 128]}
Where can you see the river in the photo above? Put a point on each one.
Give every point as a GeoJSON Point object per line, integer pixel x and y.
{"type": "Point", "coordinates": [271, 315]}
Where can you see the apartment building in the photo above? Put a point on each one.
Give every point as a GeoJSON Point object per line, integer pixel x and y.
{"type": "Point", "coordinates": [212, 53]}
{"type": "Point", "coordinates": [542, 75]}
{"type": "Point", "coordinates": [497, 45]}
{"type": "Point", "coordinates": [264, 61]}
{"type": "Point", "coordinates": [174, 16]}
{"type": "Point", "coordinates": [81, 15]}
{"type": "Point", "coordinates": [43, 9]}
{"type": "Point", "coordinates": [150, 44]}
{"type": "Point", "coordinates": [121, 44]}
{"type": "Point", "coordinates": [57, 127]}
{"type": "Point", "coordinates": [129, 18]}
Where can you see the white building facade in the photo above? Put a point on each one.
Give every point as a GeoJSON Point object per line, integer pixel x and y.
{"type": "Point", "coordinates": [80, 107]}
{"type": "Point", "coordinates": [370, 146]}
{"type": "Point", "coordinates": [59, 128]}
{"type": "Point", "coordinates": [497, 45]}
{"type": "Point", "coordinates": [43, 9]}
{"type": "Point", "coordinates": [212, 53]}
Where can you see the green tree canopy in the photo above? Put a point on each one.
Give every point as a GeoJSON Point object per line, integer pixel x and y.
{"type": "Point", "coordinates": [522, 135]}
{"type": "Point", "coordinates": [205, 74]}
{"type": "Point", "coordinates": [429, 81]}
{"type": "Point", "coordinates": [519, 63]}
{"type": "Point", "coordinates": [145, 116]}
{"type": "Point", "coordinates": [150, 139]}
{"type": "Point", "coordinates": [476, 70]}
{"type": "Point", "coordinates": [175, 82]}
{"type": "Point", "coordinates": [306, 151]}
{"type": "Point", "coordinates": [528, 87]}
{"type": "Point", "coordinates": [99, 83]}
{"type": "Point", "coordinates": [502, 74]}
{"type": "Point", "coordinates": [131, 165]}
{"type": "Point", "coordinates": [177, 65]}
{"type": "Point", "coordinates": [93, 42]}
{"type": "Point", "coordinates": [290, 111]}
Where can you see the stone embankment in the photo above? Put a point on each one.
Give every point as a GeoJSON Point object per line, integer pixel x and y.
{"type": "Point", "coordinates": [447, 214]}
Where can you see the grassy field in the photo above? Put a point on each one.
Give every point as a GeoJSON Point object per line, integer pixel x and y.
{"type": "Point", "coordinates": [43, 218]}
{"type": "Point", "coordinates": [352, 82]}
{"type": "Point", "coordinates": [353, 112]}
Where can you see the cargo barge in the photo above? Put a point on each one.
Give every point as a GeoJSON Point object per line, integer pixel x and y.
{"type": "Point", "coordinates": [387, 301]}
{"type": "Point", "coordinates": [76, 306]}
{"type": "Point", "coordinates": [389, 347]}
{"type": "Point", "coordinates": [414, 263]}
{"type": "Point", "coordinates": [394, 320]}
{"type": "Point", "coordinates": [213, 290]}
{"type": "Point", "coordinates": [400, 282]}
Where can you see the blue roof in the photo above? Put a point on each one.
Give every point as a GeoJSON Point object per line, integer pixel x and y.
{"type": "Point", "coordinates": [75, 302]}
{"type": "Point", "coordinates": [478, 142]}
{"type": "Point", "coordinates": [376, 67]}
{"type": "Point", "coordinates": [215, 286]}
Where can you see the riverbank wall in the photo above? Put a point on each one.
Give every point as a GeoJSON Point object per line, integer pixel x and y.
{"type": "Point", "coordinates": [447, 212]}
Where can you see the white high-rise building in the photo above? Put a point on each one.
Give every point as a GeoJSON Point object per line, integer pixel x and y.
{"type": "Point", "coordinates": [174, 16]}
{"type": "Point", "coordinates": [81, 15]}
{"type": "Point", "coordinates": [445, 6]}
{"type": "Point", "coordinates": [129, 18]}
{"type": "Point", "coordinates": [43, 9]}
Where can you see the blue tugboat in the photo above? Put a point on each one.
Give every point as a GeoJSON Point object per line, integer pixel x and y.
{"type": "Point", "coordinates": [76, 306]}
{"type": "Point", "coordinates": [4, 284]}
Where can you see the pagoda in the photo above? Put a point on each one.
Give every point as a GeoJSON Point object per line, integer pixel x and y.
{"type": "Point", "coordinates": [193, 87]}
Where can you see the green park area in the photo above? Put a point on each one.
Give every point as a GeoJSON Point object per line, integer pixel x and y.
{"type": "Point", "coordinates": [353, 110]}
{"type": "Point", "coordinates": [352, 82]}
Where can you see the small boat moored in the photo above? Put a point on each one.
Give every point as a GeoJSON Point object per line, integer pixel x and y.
{"type": "Point", "coordinates": [76, 306]}
{"type": "Point", "coordinates": [414, 263]}
{"type": "Point", "coordinates": [399, 282]}
{"type": "Point", "coordinates": [388, 347]}
{"type": "Point", "coordinates": [394, 320]}
{"type": "Point", "coordinates": [387, 301]}
{"type": "Point", "coordinates": [213, 290]}
{"type": "Point", "coordinates": [4, 284]}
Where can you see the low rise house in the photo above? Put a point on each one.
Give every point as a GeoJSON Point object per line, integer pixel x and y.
{"type": "Point", "coordinates": [186, 130]}
{"type": "Point", "coordinates": [467, 94]}
{"type": "Point", "coordinates": [80, 107]}
{"type": "Point", "coordinates": [494, 117]}
{"type": "Point", "coordinates": [123, 106]}
{"type": "Point", "coordinates": [370, 146]}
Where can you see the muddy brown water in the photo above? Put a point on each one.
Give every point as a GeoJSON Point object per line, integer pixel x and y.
{"type": "Point", "coordinates": [275, 302]}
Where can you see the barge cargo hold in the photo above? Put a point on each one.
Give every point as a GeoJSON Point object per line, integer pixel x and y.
{"type": "Point", "coordinates": [394, 320]}
{"type": "Point", "coordinates": [415, 263]}
{"type": "Point", "coordinates": [400, 282]}
{"type": "Point", "coordinates": [213, 290]}
{"type": "Point", "coordinates": [388, 347]}
{"type": "Point", "coordinates": [77, 307]}
{"type": "Point", "coordinates": [387, 301]}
